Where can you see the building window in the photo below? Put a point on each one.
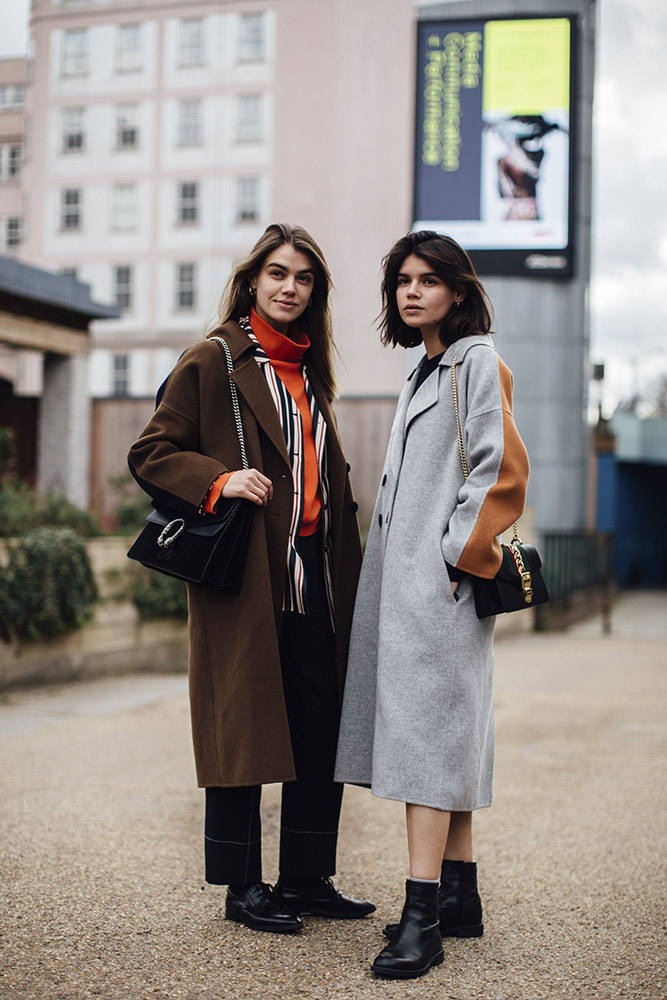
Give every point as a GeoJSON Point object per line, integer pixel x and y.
{"type": "Point", "coordinates": [252, 38]}
{"type": "Point", "coordinates": [73, 136]}
{"type": "Point", "coordinates": [191, 43]}
{"type": "Point", "coordinates": [189, 123]}
{"type": "Point", "coordinates": [14, 166]}
{"type": "Point", "coordinates": [187, 209]}
{"type": "Point", "coordinates": [249, 118]}
{"type": "Point", "coordinates": [120, 375]}
{"type": "Point", "coordinates": [75, 52]}
{"type": "Point", "coordinates": [10, 160]}
{"type": "Point", "coordinates": [12, 233]}
{"type": "Point", "coordinates": [127, 129]}
{"type": "Point", "coordinates": [70, 209]}
{"type": "Point", "coordinates": [128, 48]}
{"type": "Point", "coordinates": [12, 96]}
{"type": "Point", "coordinates": [185, 286]}
{"type": "Point", "coordinates": [124, 207]}
{"type": "Point", "coordinates": [70, 272]}
{"type": "Point", "coordinates": [122, 282]}
{"type": "Point", "coordinates": [247, 199]}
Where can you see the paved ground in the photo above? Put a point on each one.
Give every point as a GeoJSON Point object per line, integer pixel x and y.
{"type": "Point", "coordinates": [100, 834]}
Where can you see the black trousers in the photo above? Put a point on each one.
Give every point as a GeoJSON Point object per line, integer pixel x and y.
{"type": "Point", "coordinates": [310, 806]}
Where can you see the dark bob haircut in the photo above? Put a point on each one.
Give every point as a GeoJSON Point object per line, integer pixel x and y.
{"type": "Point", "coordinates": [451, 264]}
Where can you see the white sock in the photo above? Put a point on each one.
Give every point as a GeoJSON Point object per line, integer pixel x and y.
{"type": "Point", "coordinates": [429, 881]}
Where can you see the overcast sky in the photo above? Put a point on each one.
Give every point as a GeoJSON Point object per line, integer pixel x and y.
{"type": "Point", "coordinates": [629, 285]}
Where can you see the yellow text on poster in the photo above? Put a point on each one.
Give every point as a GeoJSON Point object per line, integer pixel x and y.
{"type": "Point", "coordinates": [526, 65]}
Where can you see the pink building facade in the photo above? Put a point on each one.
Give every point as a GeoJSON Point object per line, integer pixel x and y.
{"type": "Point", "coordinates": [164, 137]}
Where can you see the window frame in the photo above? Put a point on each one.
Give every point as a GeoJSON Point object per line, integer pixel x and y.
{"type": "Point", "coordinates": [123, 291]}
{"type": "Point", "coordinates": [249, 130]}
{"type": "Point", "coordinates": [186, 46]}
{"type": "Point", "coordinates": [243, 215]}
{"type": "Point", "coordinates": [68, 131]}
{"type": "Point", "coordinates": [186, 288]}
{"type": "Point", "coordinates": [187, 203]}
{"type": "Point", "coordinates": [128, 58]}
{"type": "Point", "coordinates": [131, 110]}
{"type": "Point", "coordinates": [251, 46]}
{"type": "Point", "coordinates": [74, 62]}
{"type": "Point", "coordinates": [120, 375]}
{"type": "Point", "coordinates": [195, 124]}
{"type": "Point", "coordinates": [125, 216]}
{"type": "Point", "coordinates": [73, 209]}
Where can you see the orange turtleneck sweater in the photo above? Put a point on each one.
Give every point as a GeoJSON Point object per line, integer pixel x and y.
{"type": "Point", "coordinates": [285, 354]}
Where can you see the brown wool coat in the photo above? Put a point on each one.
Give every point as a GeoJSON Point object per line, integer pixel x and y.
{"type": "Point", "coordinates": [239, 721]}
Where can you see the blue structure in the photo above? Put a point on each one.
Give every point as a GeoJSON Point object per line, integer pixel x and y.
{"type": "Point", "coordinates": [632, 500]}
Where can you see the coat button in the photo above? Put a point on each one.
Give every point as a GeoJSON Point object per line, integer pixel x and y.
{"type": "Point", "coordinates": [354, 507]}
{"type": "Point", "coordinates": [384, 479]}
{"type": "Point", "coordinates": [380, 519]}
{"type": "Point", "coordinates": [347, 466]}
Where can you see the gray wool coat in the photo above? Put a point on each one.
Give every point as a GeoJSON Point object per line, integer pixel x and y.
{"type": "Point", "coordinates": [417, 719]}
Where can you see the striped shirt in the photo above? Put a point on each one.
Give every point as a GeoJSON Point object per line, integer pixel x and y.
{"type": "Point", "coordinates": [296, 585]}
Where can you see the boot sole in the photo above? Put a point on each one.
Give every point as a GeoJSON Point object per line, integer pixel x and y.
{"type": "Point", "coordinates": [314, 912]}
{"type": "Point", "coordinates": [409, 973]}
{"type": "Point", "coordinates": [260, 926]}
{"type": "Point", "coordinates": [474, 930]}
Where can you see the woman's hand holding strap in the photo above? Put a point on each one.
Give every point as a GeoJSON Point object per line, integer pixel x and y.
{"type": "Point", "coordinates": [249, 484]}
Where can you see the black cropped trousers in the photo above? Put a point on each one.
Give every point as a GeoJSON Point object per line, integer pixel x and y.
{"type": "Point", "coordinates": [310, 806]}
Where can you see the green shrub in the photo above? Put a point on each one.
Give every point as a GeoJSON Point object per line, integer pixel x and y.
{"type": "Point", "coordinates": [22, 510]}
{"type": "Point", "coordinates": [47, 584]}
{"type": "Point", "coordinates": [158, 596]}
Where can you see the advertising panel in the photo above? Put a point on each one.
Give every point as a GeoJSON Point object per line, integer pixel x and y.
{"type": "Point", "coordinates": [493, 150]}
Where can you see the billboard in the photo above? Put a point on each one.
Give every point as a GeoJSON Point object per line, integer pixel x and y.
{"type": "Point", "coordinates": [493, 143]}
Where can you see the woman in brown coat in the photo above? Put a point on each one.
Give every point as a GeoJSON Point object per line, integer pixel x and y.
{"type": "Point", "coordinates": [266, 667]}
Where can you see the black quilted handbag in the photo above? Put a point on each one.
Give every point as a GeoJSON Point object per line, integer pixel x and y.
{"type": "Point", "coordinates": [209, 549]}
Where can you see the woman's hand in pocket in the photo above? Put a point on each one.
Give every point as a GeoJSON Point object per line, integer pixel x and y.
{"type": "Point", "coordinates": [249, 484]}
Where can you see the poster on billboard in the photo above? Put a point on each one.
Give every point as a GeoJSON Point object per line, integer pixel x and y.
{"type": "Point", "coordinates": [493, 150]}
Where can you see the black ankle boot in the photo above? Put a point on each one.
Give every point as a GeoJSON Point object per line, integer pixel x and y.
{"type": "Point", "coordinates": [417, 944]}
{"type": "Point", "coordinates": [459, 905]}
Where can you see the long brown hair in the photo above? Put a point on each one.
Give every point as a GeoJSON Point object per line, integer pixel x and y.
{"type": "Point", "coordinates": [316, 319]}
{"type": "Point", "coordinates": [452, 265]}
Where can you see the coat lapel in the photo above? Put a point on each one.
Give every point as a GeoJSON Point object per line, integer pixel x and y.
{"type": "Point", "coordinates": [425, 397]}
{"type": "Point", "coordinates": [252, 385]}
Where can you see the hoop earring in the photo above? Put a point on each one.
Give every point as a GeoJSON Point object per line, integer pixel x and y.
{"type": "Point", "coordinates": [457, 303]}
{"type": "Point", "coordinates": [310, 302]}
{"type": "Point", "coordinates": [253, 291]}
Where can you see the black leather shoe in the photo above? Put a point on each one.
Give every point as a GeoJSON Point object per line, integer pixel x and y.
{"type": "Point", "coordinates": [322, 899]}
{"type": "Point", "coordinates": [417, 944]}
{"type": "Point", "coordinates": [258, 907]}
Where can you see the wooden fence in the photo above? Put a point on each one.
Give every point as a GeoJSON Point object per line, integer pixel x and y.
{"type": "Point", "coordinates": [364, 423]}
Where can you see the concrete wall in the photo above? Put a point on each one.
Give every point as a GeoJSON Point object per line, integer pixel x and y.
{"type": "Point", "coordinates": [63, 449]}
{"type": "Point", "coordinates": [115, 641]}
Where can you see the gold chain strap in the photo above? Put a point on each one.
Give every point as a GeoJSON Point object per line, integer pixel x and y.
{"type": "Point", "coordinates": [455, 393]}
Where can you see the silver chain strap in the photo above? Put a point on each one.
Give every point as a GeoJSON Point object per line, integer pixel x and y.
{"type": "Point", "coordinates": [235, 398]}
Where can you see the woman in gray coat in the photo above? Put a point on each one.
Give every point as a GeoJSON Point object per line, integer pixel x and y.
{"type": "Point", "coordinates": [417, 721]}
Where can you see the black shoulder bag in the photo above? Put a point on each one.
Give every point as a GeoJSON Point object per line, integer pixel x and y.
{"type": "Point", "coordinates": [208, 549]}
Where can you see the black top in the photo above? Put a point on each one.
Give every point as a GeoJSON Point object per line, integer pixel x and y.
{"type": "Point", "coordinates": [428, 367]}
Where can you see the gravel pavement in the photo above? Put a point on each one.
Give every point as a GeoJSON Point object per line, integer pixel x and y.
{"type": "Point", "coordinates": [101, 843]}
